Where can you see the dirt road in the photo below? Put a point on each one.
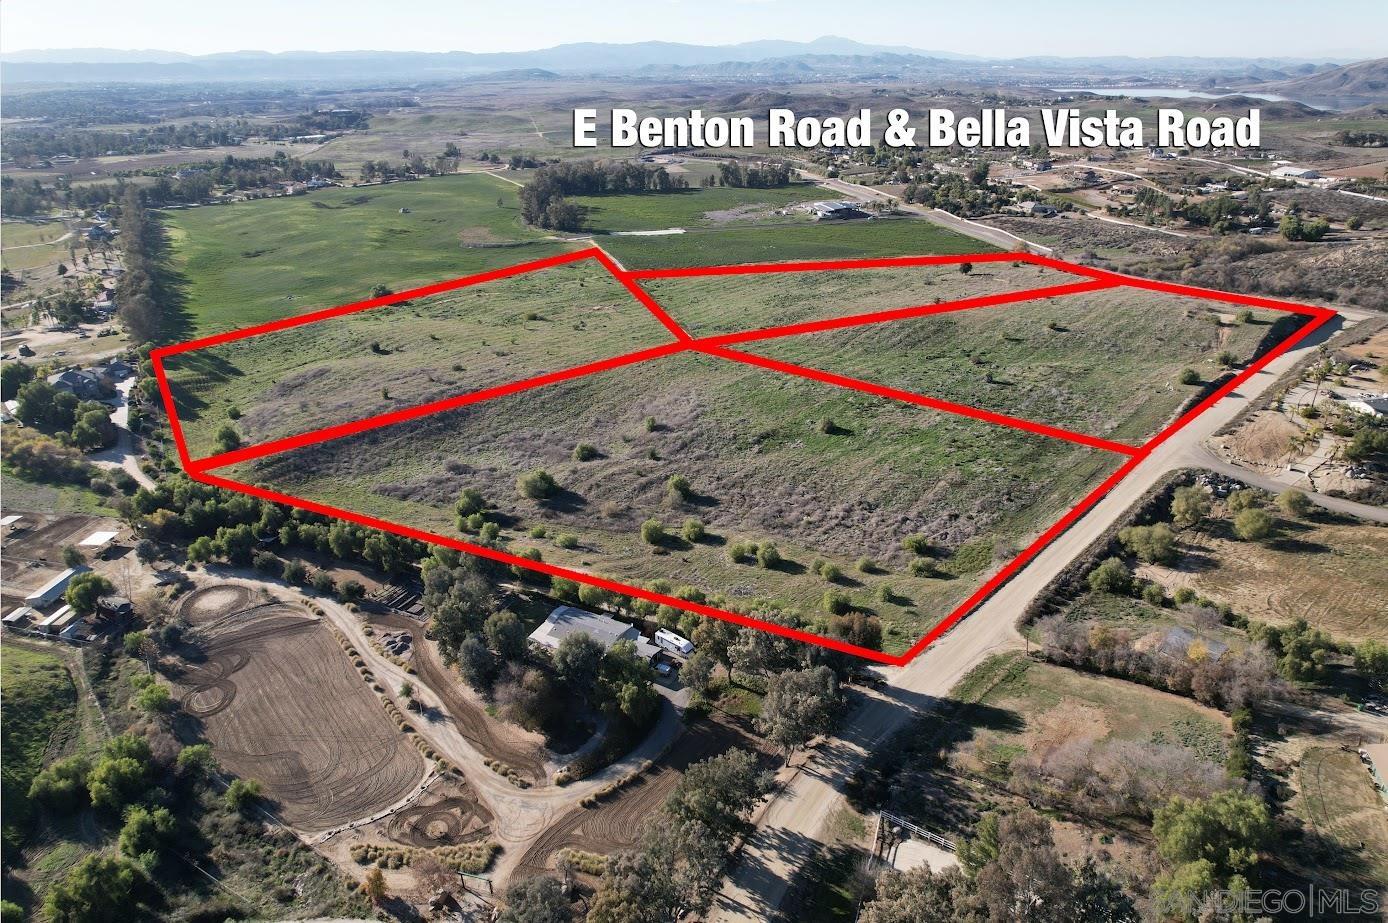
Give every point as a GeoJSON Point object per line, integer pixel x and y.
{"type": "Point", "coordinates": [794, 826]}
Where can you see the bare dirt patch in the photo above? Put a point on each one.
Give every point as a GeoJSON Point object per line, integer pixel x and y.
{"type": "Point", "coordinates": [281, 704]}
{"type": "Point", "coordinates": [618, 822]}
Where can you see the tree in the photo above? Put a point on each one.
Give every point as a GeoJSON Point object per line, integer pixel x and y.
{"type": "Point", "coordinates": [241, 794]}
{"type": "Point", "coordinates": [1155, 544]}
{"type": "Point", "coordinates": [692, 530]}
{"type": "Point", "coordinates": [1226, 829]}
{"type": "Point", "coordinates": [1254, 525]}
{"type": "Point", "coordinates": [1294, 503]}
{"type": "Point", "coordinates": [146, 551]}
{"type": "Point", "coordinates": [919, 896]}
{"type": "Point", "coordinates": [99, 889]}
{"type": "Point", "coordinates": [13, 376]}
{"type": "Point", "coordinates": [458, 598]}
{"type": "Point", "coordinates": [798, 705]}
{"type": "Point", "coordinates": [145, 833]}
{"type": "Point", "coordinates": [718, 792]}
{"type": "Point", "coordinates": [374, 885]}
{"type": "Point", "coordinates": [697, 671]}
{"type": "Point", "coordinates": [73, 557]}
{"type": "Point", "coordinates": [626, 680]}
{"type": "Point", "coordinates": [154, 698]}
{"type": "Point", "coordinates": [196, 760]}
{"type": "Point", "coordinates": [63, 785]}
{"type": "Point", "coordinates": [634, 889]}
{"type": "Point", "coordinates": [1189, 506]}
{"type": "Point", "coordinates": [536, 900]}
{"type": "Point", "coordinates": [1371, 659]}
{"type": "Point", "coordinates": [577, 662]}
{"type": "Point", "coordinates": [1112, 576]}
{"type": "Point", "coordinates": [506, 634]}
{"type": "Point", "coordinates": [477, 665]}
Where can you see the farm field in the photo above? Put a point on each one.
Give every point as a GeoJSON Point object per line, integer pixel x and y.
{"type": "Point", "coordinates": [304, 378]}
{"type": "Point", "coordinates": [251, 262]}
{"type": "Point", "coordinates": [1326, 569]}
{"type": "Point", "coordinates": [821, 240]}
{"type": "Point", "coordinates": [1104, 363]}
{"type": "Point", "coordinates": [695, 206]}
{"type": "Point", "coordinates": [714, 305]}
{"type": "Point", "coordinates": [820, 471]}
{"type": "Point", "coordinates": [280, 703]}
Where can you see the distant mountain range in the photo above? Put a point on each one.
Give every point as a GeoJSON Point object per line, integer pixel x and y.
{"type": "Point", "coordinates": [1361, 84]}
{"type": "Point", "coordinates": [827, 55]}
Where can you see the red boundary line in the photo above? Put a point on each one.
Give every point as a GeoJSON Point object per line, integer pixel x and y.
{"type": "Point", "coordinates": [908, 397]}
{"type": "Point", "coordinates": [1099, 279]}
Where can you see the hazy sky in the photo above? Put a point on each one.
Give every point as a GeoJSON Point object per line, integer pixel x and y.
{"type": "Point", "coordinates": [1215, 28]}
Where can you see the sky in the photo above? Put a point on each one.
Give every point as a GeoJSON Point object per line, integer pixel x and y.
{"type": "Point", "coordinates": [997, 28]}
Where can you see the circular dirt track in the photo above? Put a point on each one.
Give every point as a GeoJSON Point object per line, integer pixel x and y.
{"type": "Point", "coordinates": [211, 603]}
{"type": "Point", "coordinates": [442, 821]}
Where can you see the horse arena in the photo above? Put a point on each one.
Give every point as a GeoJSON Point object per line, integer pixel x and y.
{"type": "Point", "coordinates": [281, 704]}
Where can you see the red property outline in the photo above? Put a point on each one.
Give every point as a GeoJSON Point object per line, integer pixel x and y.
{"type": "Point", "coordinates": [717, 346]}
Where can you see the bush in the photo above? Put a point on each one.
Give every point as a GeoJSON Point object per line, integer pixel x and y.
{"type": "Point", "coordinates": [1154, 544]}
{"type": "Point", "coordinates": [692, 530]}
{"type": "Point", "coordinates": [266, 562]}
{"type": "Point", "coordinates": [1112, 576]}
{"type": "Point", "coordinates": [918, 544]}
{"type": "Point", "coordinates": [1253, 525]}
{"type": "Point", "coordinates": [566, 540]}
{"type": "Point", "coordinates": [768, 556]}
{"type": "Point", "coordinates": [585, 452]}
{"type": "Point", "coordinates": [652, 532]}
{"type": "Point", "coordinates": [867, 566]}
{"type": "Point", "coordinates": [1190, 377]}
{"type": "Point", "coordinates": [678, 488]}
{"type": "Point", "coordinates": [1153, 594]}
{"type": "Point", "coordinates": [536, 485]}
{"type": "Point", "coordinates": [1294, 503]}
{"type": "Point", "coordinates": [922, 567]}
{"type": "Point", "coordinates": [740, 551]}
{"type": "Point", "coordinates": [837, 602]}
{"type": "Point", "coordinates": [830, 572]}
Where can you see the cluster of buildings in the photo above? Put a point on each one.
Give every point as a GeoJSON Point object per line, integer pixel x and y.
{"type": "Point", "coordinates": [95, 383]}
{"type": "Point", "coordinates": [836, 211]}
{"type": "Point", "coordinates": [45, 611]}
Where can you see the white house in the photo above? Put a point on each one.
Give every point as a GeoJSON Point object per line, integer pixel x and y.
{"type": "Point", "coordinates": [607, 631]}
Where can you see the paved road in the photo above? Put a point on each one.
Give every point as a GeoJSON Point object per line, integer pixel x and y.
{"type": "Point", "coordinates": [994, 236]}
{"type": "Point", "coordinates": [1204, 458]}
{"type": "Point", "coordinates": [795, 825]}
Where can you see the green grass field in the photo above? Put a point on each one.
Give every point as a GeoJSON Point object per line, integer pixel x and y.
{"type": "Point", "coordinates": [1103, 363]}
{"type": "Point", "coordinates": [251, 262]}
{"type": "Point", "coordinates": [763, 465]}
{"type": "Point", "coordinates": [304, 378]}
{"type": "Point", "coordinates": [694, 207]}
{"type": "Point", "coordinates": [811, 241]}
{"type": "Point", "coordinates": [39, 703]}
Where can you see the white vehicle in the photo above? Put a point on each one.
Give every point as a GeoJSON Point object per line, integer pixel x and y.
{"type": "Point", "coordinates": [673, 642]}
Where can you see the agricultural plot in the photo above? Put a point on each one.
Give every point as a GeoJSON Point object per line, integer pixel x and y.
{"type": "Point", "coordinates": [821, 240]}
{"type": "Point", "coordinates": [258, 261]}
{"type": "Point", "coordinates": [1325, 569]}
{"type": "Point", "coordinates": [695, 207]}
{"type": "Point", "coordinates": [722, 481]}
{"type": "Point", "coordinates": [404, 354]}
{"type": "Point", "coordinates": [281, 704]}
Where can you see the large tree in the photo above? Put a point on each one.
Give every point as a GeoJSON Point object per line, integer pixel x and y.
{"type": "Point", "coordinates": [798, 705]}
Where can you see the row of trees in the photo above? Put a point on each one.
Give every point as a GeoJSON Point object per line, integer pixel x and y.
{"type": "Point", "coordinates": [543, 201]}
{"type": "Point", "coordinates": [760, 176]}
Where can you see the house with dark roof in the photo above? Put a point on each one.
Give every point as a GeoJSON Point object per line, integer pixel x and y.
{"type": "Point", "coordinates": [84, 383]}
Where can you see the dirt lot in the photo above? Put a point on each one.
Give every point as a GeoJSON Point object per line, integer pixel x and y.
{"type": "Point", "coordinates": [617, 822]}
{"type": "Point", "coordinates": [1336, 799]}
{"type": "Point", "coordinates": [1329, 572]}
{"type": "Point", "coordinates": [281, 704]}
